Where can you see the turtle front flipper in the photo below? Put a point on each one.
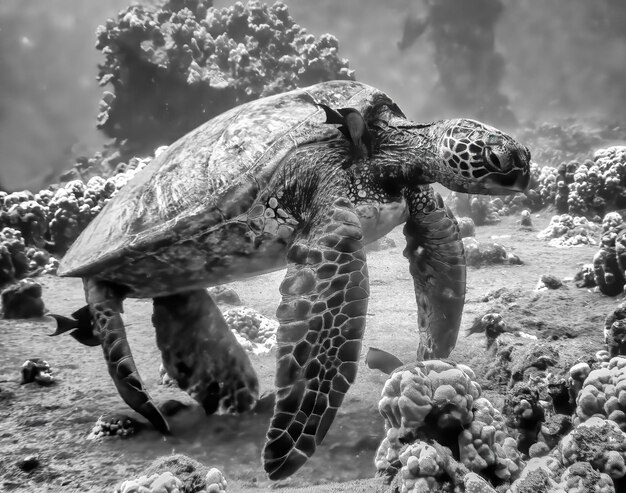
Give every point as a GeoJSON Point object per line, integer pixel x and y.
{"type": "Point", "coordinates": [105, 304]}
{"type": "Point", "coordinates": [437, 264]}
{"type": "Point", "coordinates": [202, 354]}
{"type": "Point", "coordinates": [322, 319]}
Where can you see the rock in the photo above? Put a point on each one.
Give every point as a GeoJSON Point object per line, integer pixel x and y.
{"type": "Point", "coordinates": [29, 463]}
{"type": "Point", "coordinates": [22, 300]}
{"type": "Point", "coordinates": [550, 282]}
{"type": "Point", "coordinates": [526, 219]}
{"type": "Point", "coordinates": [224, 294]}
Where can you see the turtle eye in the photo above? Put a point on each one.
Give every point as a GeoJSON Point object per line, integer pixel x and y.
{"type": "Point", "coordinates": [492, 161]}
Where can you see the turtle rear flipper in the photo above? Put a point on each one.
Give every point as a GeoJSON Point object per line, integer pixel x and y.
{"type": "Point", "coordinates": [437, 264]}
{"type": "Point", "coordinates": [202, 354]}
{"type": "Point", "coordinates": [322, 318]}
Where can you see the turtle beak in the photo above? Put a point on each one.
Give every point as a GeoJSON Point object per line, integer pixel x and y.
{"type": "Point", "coordinates": [516, 180]}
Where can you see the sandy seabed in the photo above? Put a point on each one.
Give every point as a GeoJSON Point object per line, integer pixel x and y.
{"type": "Point", "coordinates": [54, 422]}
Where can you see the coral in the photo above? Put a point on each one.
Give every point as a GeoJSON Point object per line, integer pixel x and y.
{"type": "Point", "coordinates": [437, 423]}
{"type": "Point", "coordinates": [157, 483]}
{"type": "Point", "coordinates": [113, 425]}
{"type": "Point", "coordinates": [215, 481]}
{"type": "Point", "coordinates": [174, 66]}
{"type": "Point", "coordinates": [615, 331]}
{"type": "Point", "coordinates": [598, 441]}
{"type": "Point", "coordinates": [14, 263]}
{"type": "Point", "coordinates": [491, 324]}
{"type": "Point", "coordinates": [524, 413]}
{"type": "Point", "coordinates": [609, 262]}
{"type": "Point", "coordinates": [591, 188]}
{"type": "Point", "coordinates": [487, 253]}
{"type": "Point", "coordinates": [580, 477]}
{"type": "Point", "coordinates": [22, 300]}
{"type": "Point", "coordinates": [432, 398]}
{"type": "Point", "coordinates": [21, 211]}
{"type": "Point", "coordinates": [480, 209]}
{"type": "Point", "coordinates": [422, 468]}
{"type": "Point", "coordinates": [37, 370]}
{"type": "Point", "coordinates": [603, 393]}
{"type": "Point", "coordinates": [467, 228]}
{"type": "Point", "coordinates": [539, 475]}
{"type": "Point", "coordinates": [585, 277]}
{"type": "Point", "coordinates": [254, 331]}
{"type": "Point", "coordinates": [567, 231]}
{"type": "Point", "coordinates": [194, 476]}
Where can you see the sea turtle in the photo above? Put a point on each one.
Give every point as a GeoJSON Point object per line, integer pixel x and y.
{"type": "Point", "coordinates": [275, 183]}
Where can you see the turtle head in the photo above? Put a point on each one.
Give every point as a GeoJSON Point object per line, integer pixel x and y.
{"type": "Point", "coordinates": [477, 158]}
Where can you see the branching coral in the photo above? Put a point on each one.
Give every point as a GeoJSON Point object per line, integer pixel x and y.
{"type": "Point", "coordinates": [173, 67]}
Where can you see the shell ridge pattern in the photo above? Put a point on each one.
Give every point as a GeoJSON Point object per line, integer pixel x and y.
{"type": "Point", "coordinates": [177, 195]}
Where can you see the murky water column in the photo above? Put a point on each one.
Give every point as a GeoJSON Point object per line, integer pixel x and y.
{"type": "Point", "coordinates": [470, 69]}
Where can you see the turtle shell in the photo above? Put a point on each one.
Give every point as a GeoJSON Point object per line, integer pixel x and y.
{"type": "Point", "coordinates": [212, 174]}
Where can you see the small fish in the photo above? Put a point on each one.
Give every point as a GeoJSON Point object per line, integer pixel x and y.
{"type": "Point", "coordinates": [377, 359]}
{"type": "Point", "coordinates": [352, 125]}
{"type": "Point", "coordinates": [82, 324]}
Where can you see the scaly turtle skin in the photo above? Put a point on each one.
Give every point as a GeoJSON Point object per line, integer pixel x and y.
{"type": "Point", "coordinates": [275, 183]}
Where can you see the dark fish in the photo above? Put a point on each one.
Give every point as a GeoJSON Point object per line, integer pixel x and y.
{"type": "Point", "coordinates": [81, 323]}
{"type": "Point", "coordinates": [377, 359]}
{"type": "Point", "coordinates": [352, 125]}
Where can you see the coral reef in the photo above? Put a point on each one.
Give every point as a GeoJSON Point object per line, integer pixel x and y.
{"type": "Point", "coordinates": [567, 231]}
{"type": "Point", "coordinates": [175, 66]}
{"type": "Point", "coordinates": [34, 226]}
{"type": "Point", "coordinates": [591, 188]}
